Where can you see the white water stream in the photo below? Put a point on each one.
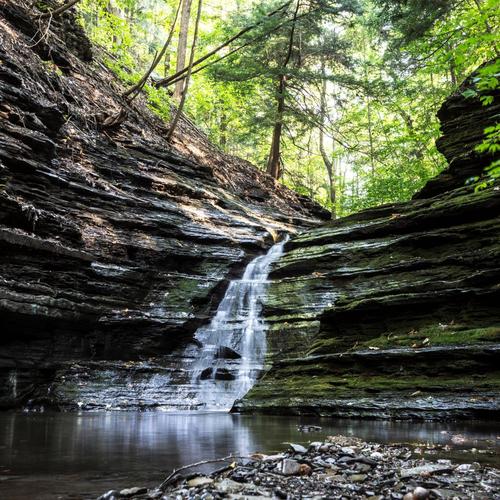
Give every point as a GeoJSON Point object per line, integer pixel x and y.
{"type": "Point", "coordinates": [233, 345]}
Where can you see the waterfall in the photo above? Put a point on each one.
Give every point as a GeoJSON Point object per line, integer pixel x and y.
{"type": "Point", "coordinates": [233, 346]}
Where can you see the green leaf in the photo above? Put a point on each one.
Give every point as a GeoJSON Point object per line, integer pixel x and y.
{"type": "Point", "coordinates": [469, 93]}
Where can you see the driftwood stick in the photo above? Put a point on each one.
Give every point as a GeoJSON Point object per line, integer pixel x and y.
{"type": "Point", "coordinates": [174, 473]}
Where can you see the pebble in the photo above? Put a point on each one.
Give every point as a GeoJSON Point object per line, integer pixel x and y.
{"type": "Point", "coordinates": [304, 470]}
{"type": "Point", "coordinates": [289, 467]}
{"type": "Point", "coordinates": [467, 467]}
{"type": "Point", "coordinates": [229, 486]}
{"type": "Point", "coordinates": [425, 470]}
{"type": "Point", "coordinates": [297, 448]}
{"type": "Point", "coordinates": [420, 493]}
{"type": "Point", "coordinates": [130, 492]}
{"type": "Point", "coordinates": [199, 481]}
{"type": "Point", "coordinates": [358, 478]}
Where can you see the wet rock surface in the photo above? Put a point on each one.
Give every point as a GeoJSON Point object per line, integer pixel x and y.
{"type": "Point", "coordinates": [116, 245]}
{"type": "Point", "coordinates": [341, 467]}
{"type": "Point", "coordinates": [368, 314]}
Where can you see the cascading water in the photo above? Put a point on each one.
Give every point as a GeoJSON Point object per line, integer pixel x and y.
{"type": "Point", "coordinates": [233, 345]}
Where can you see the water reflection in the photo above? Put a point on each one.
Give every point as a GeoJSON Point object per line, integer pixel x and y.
{"type": "Point", "coordinates": [45, 455]}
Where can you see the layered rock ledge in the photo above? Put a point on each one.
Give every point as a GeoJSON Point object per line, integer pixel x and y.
{"type": "Point", "coordinates": [394, 312]}
{"type": "Point", "coordinates": [115, 244]}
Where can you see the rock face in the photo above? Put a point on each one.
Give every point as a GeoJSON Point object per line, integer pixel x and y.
{"type": "Point", "coordinates": [394, 312]}
{"type": "Point", "coordinates": [115, 245]}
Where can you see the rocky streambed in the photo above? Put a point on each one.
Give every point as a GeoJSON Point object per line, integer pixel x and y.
{"type": "Point", "coordinates": [339, 467]}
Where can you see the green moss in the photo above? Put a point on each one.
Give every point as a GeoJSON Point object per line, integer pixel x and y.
{"type": "Point", "coordinates": [436, 335]}
{"type": "Point", "coordinates": [325, 346]}
{"type": "Point", "coordinates": [331, 386]}
{"type": "Point", "coordinates": [42, 6]}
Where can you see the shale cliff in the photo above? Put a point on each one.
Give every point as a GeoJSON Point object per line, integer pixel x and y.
{"type": "Point", "coordinates": [395, 312]}
{"type": "Point", "coordinates": [115, 244]}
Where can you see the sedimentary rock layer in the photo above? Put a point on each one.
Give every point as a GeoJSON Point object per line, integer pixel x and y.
{"type": "Point", "coordinates": [395, 311]}
{"type": "Point", "coordinates": [115, 244]}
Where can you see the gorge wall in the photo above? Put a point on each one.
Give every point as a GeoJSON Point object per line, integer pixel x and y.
{"type": "Point", "coordinates": [115, 244]}
{"type": "Point", "coordinates": [394, 312]}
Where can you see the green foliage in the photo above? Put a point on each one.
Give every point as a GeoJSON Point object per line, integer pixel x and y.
{"type": "Point", "coordinates": [486, 82]}
{"type": "Point", "coordinates": [388, 64]}
{"type": "Point", "coordinates": [130, 34]}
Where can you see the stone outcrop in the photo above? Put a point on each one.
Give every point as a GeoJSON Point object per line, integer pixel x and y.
{"type": "Point", "coordinates": [115, 244]}
{"type": "Point", "coordinates": [394, 312]}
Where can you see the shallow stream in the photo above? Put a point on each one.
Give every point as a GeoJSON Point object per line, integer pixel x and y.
{"type": "Point", "coordinates": [65, 455]}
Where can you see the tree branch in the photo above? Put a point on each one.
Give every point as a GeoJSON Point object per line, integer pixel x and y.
{"type": "Point", "coordinates": [156, 60]}
{"type": "Point", "coordinates": [168, 80]}
{"type": "Point", "coordinates": [59, 10]}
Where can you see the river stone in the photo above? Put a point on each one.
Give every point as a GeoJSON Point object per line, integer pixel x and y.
{"type": "Point", "coordinates": [445, 494]}
{"type": "Point", "coordinates": [361, 467]}
{"type": "Point", "coordinates": [315, 445]}
{"type": "Point", "coordinates": [206, 374]}
{"type": "Point", "coordinates": [467, 467]}
{"type": "Point", "coordinates": [273, 458]}
{"type": "Point", "coordinates": [305, 470]}
{"type": "Point", "coordinates": [424, 470]}
{"type": "Point", "coordinates": [224, 374]}
{"type": "Point", "coordinates": [129, 492]}
{"type": "Point", "coordinates": [199, 481]}
{"type": "Point", "coordinates": [420, 493]}
{"type": "Point", "coordinates": [289, 467]}
{"type": "Point", "coordinates": [155, 494]}
{"type": "Point", "coordinates": [229, 486]}
{"type": "Point", "coordinates": [358, 478]}
{"type": "Point", "coordinates": [297, 448]}
{"type": "Point", "coordinates": [224, 352]}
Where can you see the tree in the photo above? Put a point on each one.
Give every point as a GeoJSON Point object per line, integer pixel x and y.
{"type": "Point", "coordinates": [285, 64]}
{"type": "Point", "coordinates": [182, 45]}
{"type": "Point", "coordinates": [328, 160]}
{"type": "Point", "coordinates": [348, 118]}
{"type": "Point", "coordinates": [178, 113]}
{"type": "Point", "coordinates": [273, 162]}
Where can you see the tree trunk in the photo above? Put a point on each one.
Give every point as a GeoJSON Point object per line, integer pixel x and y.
{"type": "Point", "coordinates": [369, 116]}
{"type": "Point", "coordinates": [188, 76]}
{"type": "Point", "coordinates": [370, 133]}
{"type": "Point", "coordinates": [166, 65]}
{"type": "Point", "coordinates": [182, 45]}
{"type": "Point", "coordinates": [223, 130]}
{"type": "Point", "coordinates": [273, 162]}
{"type": "Point", "coordinates": [327, 160]}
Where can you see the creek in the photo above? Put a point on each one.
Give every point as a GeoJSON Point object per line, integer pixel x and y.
{"type": "Point", "coordinates": [81, 455]}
